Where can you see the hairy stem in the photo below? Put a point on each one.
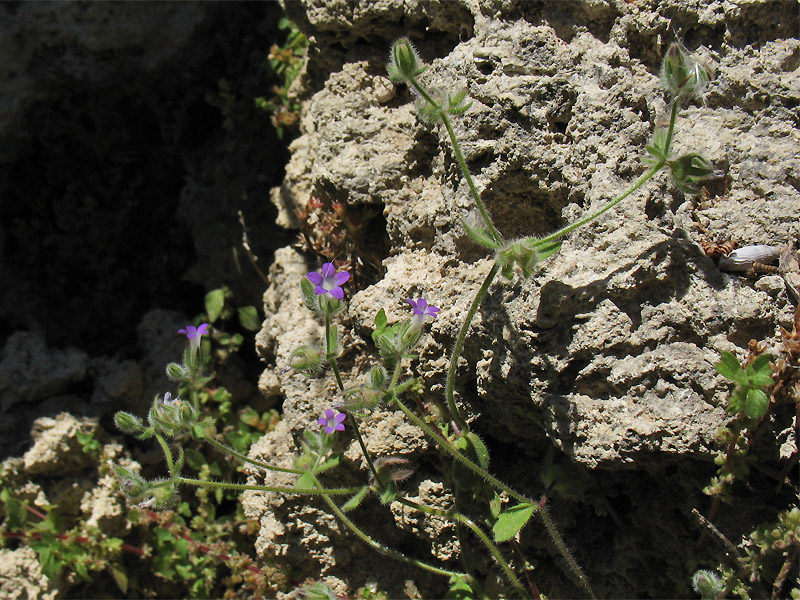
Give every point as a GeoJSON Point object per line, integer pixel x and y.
{"type": "Point", "coordinates": [375, 545]}
{"type": "Point", "coordinates": [320, 491]}
{"type": "Point", "coordinates": [230, 451]}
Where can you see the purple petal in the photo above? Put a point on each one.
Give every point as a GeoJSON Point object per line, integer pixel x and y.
{"type": "Point", "coordinates": [322, 421]}
{"type": "Point", "coordinates": [327, 270]}
{"type": "Point", "coordinates": [422, 304]}
{"type": "Point", "coordinates": [337, 293]}
{"type": "Point", "coordinates": [203, 329]}
{"type": "Point", "coordinates": [341, 277]}
{"type": "Point", "coordinates": [314, 278]}
{"type": "Point", "coordinates": [340, 417]}
{"type": "Point", "coordinates": [412, 303]}
{"type": "Point", "coordinates": [339, 427]}
{"type": "Point", "coordinates": [329, 413]}
{"type": "Point", "coordinates": [319, 290]}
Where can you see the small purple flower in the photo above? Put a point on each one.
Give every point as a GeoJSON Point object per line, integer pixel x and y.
{"type": "Point", "coordinates": [332, 421]}
{"type": "Point", "coordinates": [422, 310]}
{"type": "Point", "coordinates": [194, 334]}
{"type": "Point", "coordinates": [329, 281]}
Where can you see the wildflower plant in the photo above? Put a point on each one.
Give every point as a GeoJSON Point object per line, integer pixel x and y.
{"type": "Point", "coordinates": [386, 384]}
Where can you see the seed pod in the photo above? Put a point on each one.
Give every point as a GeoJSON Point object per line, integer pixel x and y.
{"type": "Point", "coordinates": [743, 259]}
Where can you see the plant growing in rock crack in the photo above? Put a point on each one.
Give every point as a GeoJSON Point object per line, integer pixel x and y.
{"type": "Point", "coordinates": [385, 386]}
{"type": "Point", "coordinates": [769, 554]}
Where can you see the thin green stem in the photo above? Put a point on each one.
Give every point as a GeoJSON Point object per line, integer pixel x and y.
{"type": "Point", "coordinates": [367, 457]}
{"type": "Point", "coordinates": [458, 456]}
{"type": "Point", "coordinates": [321, 491]}
{"type": "Point", "coordinates": [375, 545]}
{"type": "Point", "coordinates": [563, 550]}
{"type": "Point", "coordinates": [228, 450]}
{"type": "Point", "coordinates": [167, 455]}
{"type": "Point", "coordinates": [639, 183]}
{"type": "Point", "coordinates": [461, 162]}
{"type": "Point", "coordinates": [331, 353]}
{"type": "Point", "coordinates": [456, 516]}
{"type": "Point", "coordinates": [459, 346]}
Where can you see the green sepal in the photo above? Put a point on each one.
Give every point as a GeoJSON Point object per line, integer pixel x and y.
{"type": "Point", "coordinates": [309, 297]}
{"type": "Point", "coordinates": [657, 148]}
{"type": "Point", "coordinates": [510, 521]}
{"type": "Point", "coordinates": [481, 236]}
{"type": "Point", "coordinates": [388, 493]}
{"type": "Point", "coordinates": [355, 500]}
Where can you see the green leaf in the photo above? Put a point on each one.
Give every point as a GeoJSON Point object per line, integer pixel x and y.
{"type": "Point", "coordinates": [355, 500]}
{"type": "Point", "coordinates": [332, 341]}
{"type": "Point", "coordinates": [480, 235]}
{"type": "Point", "coordinates": [459, 589]}
{"type": "Point", "coordinates": [729, 367]}
{"type": "Point", "coordinates": [756, 404]}
{"type": "Point", "coordinates": [759, 373]}
{"type": "Point", "coordinates": [195, 459]}
{"type": "Point", "coordinates": [80, 569]}
{"type": "Point", "coordinates": [215, 302]}
{"type": "Point", "coordinates": [304, 482]}
{"type": "Point", "coordinates": [380, 320]}
{"type": "Point", "coordinates": [309, 297]}
{"type": "Point", "coordinates": [511, 521]}
{"type": "Point", "coordinates": [328, 464]}
{"type": "Point", "coordinates": [478, 451]}
{"type": "Point", "coordinates": [120, 575]}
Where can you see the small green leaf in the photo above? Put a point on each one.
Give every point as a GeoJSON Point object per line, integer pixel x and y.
{"type": "Point", "coordinates": [309, 297]}
{"type": "Point", "coordinates": [459, 589]}
{"type": "Point", "coordinates": [215, 302]}
{"type": "Point", "coordinates": [480, 235]}
{"type": "Point", "coordinates": [80, 569]}
{"type": "Point", "coordinates": [477, 451]}
{"type": "Point", "coordinates": [195, 459]}
{"type": "Point", "coordinates": [304, 482]}
{"type": "Point", "coordinates": [355, 500]}
{"type": "Point", "coordinates": [380, 320]}
{"type": "Point", "coordinates": [759, 373]}
{"type": "Point", "coordinates": [120, 575]}
{"type": "Point", "coordinates": [756, 404]}
{"type": "Point", "coordinates": [511, 521]}
{"type": "Point", "coordinates": [729, 367]}
{"type": "Point", "coordinates": [328, 464]}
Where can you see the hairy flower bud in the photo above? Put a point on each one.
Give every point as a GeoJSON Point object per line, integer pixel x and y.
{"type": "Point", "coordinates": [404, 63]}
{"type": "Point", "coordinates": [681, 75]}
{"type": "Point", "coordinates": [128, 423]}
{"type": "Point", "coordinates": [306, 360]}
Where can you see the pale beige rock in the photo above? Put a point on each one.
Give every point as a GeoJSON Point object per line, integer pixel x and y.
{"type": "Point", "coordinates": [604, 358]}
{"type": "Point", "coordinates": [21, 576]}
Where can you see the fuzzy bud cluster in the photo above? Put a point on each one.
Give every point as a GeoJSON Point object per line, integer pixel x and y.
{"type": "Point", "coordinates": [172, 416]}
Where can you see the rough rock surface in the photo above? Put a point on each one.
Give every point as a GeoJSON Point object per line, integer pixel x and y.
{"type": "Point", "coordinates": [603, 361]}
{"type": "Point", "coordinates": [21, 576]}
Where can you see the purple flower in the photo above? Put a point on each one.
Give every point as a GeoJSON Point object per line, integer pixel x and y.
{"type": "Point", "coordinates": [422, 310]}
{"type": "Point", "coordinates": [194, 334]}
{"type": "Point", "coordinates": [329, 281]}
{"type": "Point", "coordinates": [332, 421]}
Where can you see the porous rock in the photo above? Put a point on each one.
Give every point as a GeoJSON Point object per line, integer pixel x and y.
{"type": "Point", "coordinates": [602, 362]}
{"type": "Point", "coordinates": [21, 576]}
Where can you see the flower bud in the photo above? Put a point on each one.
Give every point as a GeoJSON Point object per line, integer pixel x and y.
{"type": "Point", "coordinates": [128, 423]}
{"type": "Point", "coordinates": [306, 360]}
{"type": "Point", "coordinates": [404, 63]}
{"type": "Point", "coordinates": [681, 75]}
{"type": "Point", "coordinates": [689, 170]}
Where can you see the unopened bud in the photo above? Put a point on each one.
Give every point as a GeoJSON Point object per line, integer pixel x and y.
{"type": "Point", "coordinates": [128, 423]}
{"type": "Point", "coordinates": [404, 63]}
{"type": "Point", "coordinates": [306, 360]}
{"type": "Point", "coordinates": [681, 75]}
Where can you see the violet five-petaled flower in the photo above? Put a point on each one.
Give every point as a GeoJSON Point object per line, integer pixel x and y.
{"type": "Point", "coordinates": [422, 310]}
{"type": "Point", "coordinates": [328, 281]}
{"type": "Point", "coordinates": [194, 334]}
{"type": "Point", "coordinates": [332, 421]}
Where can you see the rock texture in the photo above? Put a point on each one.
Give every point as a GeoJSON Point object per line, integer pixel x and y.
{"type": "Point", "coordinates": [603, 361]}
